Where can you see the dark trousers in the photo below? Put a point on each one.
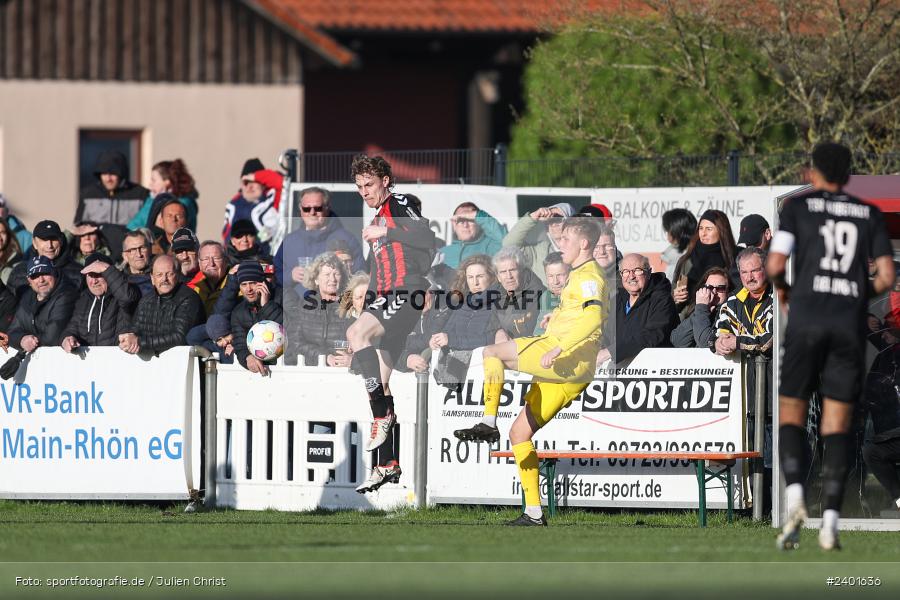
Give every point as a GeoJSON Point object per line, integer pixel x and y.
{"type": "Point", "coordinates": [882, 459]}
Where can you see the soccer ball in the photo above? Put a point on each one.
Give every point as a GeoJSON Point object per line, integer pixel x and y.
{"type": "Point", "coordinates": [265, 340]}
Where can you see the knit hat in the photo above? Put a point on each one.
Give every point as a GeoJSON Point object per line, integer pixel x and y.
{"type": "Point", "coordinates": [250, 270]}
{"type": "Point", "coordinates": [184, 239]}
{"type": "Point", "coordinates": [242, 227]}
{"type": "Point", "coordinates": [217, 326]}
{"type": "Point", "coordinates": [252, 165]}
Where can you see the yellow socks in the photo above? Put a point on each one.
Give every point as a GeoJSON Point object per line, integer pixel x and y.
{"type": "Point", "coordinates": [527, 461]}
{"type": "Point", "coordinates": [493, 385]}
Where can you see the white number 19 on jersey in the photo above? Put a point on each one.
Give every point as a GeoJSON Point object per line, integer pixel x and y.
{"type": "Point", "coordinates": [840, 245]}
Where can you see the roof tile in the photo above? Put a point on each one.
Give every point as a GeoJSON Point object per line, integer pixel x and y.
{"type": "Point", "coordinates": [441, 15]}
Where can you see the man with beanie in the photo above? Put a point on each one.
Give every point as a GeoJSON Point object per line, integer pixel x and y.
{"type": "Point", "coordinates": [112, 198]}
{"type": "Point", "coordinates": [244, 245]}
{"type": "Point", "coordinates": [184, 247]}
{"type": "Point", "coordinates": [537, 234]}
{"type": "Point", "coordinates": [402, 247]}
{"type": "Point", "coordinates": [832, 236]}
{"type": "Point", "coordinates": [258, 201]}
{"type": "Point", "coordinates": [220, 339]}
{"type": "Point", "coordinates": [44, 308]}
{"type": "Point", "coordinates": [257, 305]}
{"type": "Point", "coordinates": [164, 317]}
{"type": "Point", "coordinates": [103, 310]}
{"type": "Point", "coordinates": [48, 240]}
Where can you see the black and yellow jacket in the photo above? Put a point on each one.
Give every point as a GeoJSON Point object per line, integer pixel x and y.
{"type": "Point", "coordinates": [750, 320]}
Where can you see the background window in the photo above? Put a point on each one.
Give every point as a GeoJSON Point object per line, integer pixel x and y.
{"type": "Point", "coordinates": [93, 142]}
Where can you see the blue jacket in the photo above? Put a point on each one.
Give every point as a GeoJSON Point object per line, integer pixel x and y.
{"type": "Point", "coordinates": [489, 242]}
{"type": "Point", "coordinates": [22, 233]}
{"type": "Point", "coordinates": [312, 243]}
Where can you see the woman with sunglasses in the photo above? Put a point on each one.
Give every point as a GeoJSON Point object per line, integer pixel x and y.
{"type": "Point", "coordinates": [698, 330]}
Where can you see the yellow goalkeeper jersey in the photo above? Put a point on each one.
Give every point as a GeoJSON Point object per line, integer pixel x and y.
{"type": "Point", "coordinates": [582, 308]}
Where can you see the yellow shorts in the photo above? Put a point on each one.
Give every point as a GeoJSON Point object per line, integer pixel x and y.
{"type": "Point", "coordinates": [554, 389]}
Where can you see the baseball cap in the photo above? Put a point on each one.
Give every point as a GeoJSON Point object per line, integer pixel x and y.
{"type": "Point", "coordinates": [47, 230]}
{"type": "Point", "coordinates": [40, 265]}
{"type": "Point", "coordinates": [184, 239]}
{"type": "Point", "coordinates": [250, 270]}
{"type": "Point", "coordinates": [752, 229]}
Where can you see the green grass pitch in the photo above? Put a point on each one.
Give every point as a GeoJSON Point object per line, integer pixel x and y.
{"type": "Point", "coordinates": [444, 552]}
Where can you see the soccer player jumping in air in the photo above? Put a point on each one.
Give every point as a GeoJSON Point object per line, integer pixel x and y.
{"type": "Point", "coordinates": [562, 360]}
{"type": "Point", "coordinates": [832, 236]}
{"type": "Point", "coordinates": [402, 247]}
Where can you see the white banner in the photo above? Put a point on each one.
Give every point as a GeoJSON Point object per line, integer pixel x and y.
{"type": "Point", "coordinates": [665, 400]}
{"type": "Point", "coordinates": [101, 424]}
{"type": "Point", "coordinates": [637, 211]}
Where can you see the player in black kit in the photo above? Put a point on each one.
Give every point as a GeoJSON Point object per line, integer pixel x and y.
{"type": "Point", "coordinates": [402, 247]}
{"type": "Point", "coordinates": [833, 236]}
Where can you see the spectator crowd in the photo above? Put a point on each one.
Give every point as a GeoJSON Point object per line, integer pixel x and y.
{"type": "Point", "coordinates": [131, 272]}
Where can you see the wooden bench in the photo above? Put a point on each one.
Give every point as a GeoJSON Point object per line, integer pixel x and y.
{"type": "Point", "coordinates": [704, 472]}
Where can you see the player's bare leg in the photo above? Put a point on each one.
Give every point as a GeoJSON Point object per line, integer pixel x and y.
{"type": "Point", "coordinates": [497, 358]}
{"type": "Point", "coordinates": [520, 436]}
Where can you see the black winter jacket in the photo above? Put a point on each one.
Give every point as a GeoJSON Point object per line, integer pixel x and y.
{"type": "Point", "coordinates": [45, 319]}
{"type": "Point", "coordinates": [8, 304]}
{"type": "Point", "coordinates": [162, 322]}
{"type": "Point", "coordinates": [245, 316]}
{"type": "Point", "coordinates": [117, 207]}
{"type": "Point", "coordinates": [99, 321]}
{"type": "Point", "coordinates": [312, 326]}
{"type": "Point", "coordinates": [233, 257]}
{"type": "Point", "coordinates": [650, 321]}
{"type": "Point", "coordinates": [519, 311]}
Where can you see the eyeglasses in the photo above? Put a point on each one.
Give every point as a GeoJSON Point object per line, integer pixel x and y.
{"type": "Point", "coordinates": [313, 209]}
{"type": "Point", "coordinates": [141, 249]}
{"type": "Point", "coordinates": [639, 272]}
{"type": "Point", "coordinates": [716, 288]}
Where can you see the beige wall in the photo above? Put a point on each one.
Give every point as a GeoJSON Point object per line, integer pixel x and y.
{"type": "Point", "coordinates": [213, 128]}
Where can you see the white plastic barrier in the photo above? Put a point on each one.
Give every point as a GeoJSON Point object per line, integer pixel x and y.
{"type": "Point", "coordinates": [268, 457]}
{"type": "Point", "coordinates": [666, 400]}
{"type": "Point", "coordinates": [101, 424]}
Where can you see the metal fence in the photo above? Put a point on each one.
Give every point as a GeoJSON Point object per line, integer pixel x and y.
{"type": "Point", "coordinates": [492, 166]}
